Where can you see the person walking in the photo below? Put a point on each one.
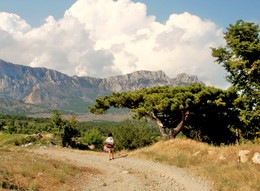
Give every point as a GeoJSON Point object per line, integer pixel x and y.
{"type": "Point", "coordinates": [109, 146]}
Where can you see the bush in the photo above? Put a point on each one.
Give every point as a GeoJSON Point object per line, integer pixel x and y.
{"type": "Point", "coordinates": [69, 133]}
{"type": "Point", "coordinates": [94, 137]}
{"type": "Point", "coordinates": [22, 140]}
{"type": "Point", "coordinates": [135, 134]}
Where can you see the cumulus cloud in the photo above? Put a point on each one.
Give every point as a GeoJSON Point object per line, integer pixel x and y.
{"type": "Point", "coordinates": [13, 23]}
{"type": "Point", "coordinates": [105, 37]}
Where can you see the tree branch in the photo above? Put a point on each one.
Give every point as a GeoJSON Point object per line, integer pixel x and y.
{"type": "Point", "coordinates": [151, 116]}
{"type": "Point", "coordinates": [174, 132]}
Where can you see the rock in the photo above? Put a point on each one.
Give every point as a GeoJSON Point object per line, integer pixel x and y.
{"type": "Point", "coordinates": [27, 145]}
{"type": "Point", "coordinates": [221, 157]}
{"type": "Point", "coordinates": [40, 174]}
{"type": "Point", "coordinates": [243, 155]}
{"type": "Point", "coordinates": [91, 147]}
{"type": "Point", "coordinates": [256, 158]}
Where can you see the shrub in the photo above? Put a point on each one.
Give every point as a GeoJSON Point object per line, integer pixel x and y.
{"type": "Point", "coordinates": [22, 140]}
{"type": "Point", "coordinates": [132, 134]}
{"type": "Point", "coordinates": [94, 137]}
{"type": "Point", "coordinates": [69, 133]}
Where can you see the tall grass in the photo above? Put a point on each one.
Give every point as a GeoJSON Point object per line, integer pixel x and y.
{"type": "Point", "coordinates": [218, 165]}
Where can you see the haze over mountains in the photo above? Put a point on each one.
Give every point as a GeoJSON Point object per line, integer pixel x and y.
{"type": "Point", "coordinates": [28, 90]}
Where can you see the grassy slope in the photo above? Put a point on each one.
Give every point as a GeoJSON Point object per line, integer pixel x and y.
{"type": "Point", "coordinates": [23, 170]}
{"type": "Point", "coordinates": [218, 165]}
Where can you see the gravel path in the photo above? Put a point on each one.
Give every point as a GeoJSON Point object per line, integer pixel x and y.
{"type": "Point", "coordinates": [128, 174]}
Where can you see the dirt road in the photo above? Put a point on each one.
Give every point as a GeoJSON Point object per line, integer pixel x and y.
{"type": "Point", "coordinates": [128, 174]}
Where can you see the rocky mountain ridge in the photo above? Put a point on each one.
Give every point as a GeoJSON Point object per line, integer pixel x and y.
{"type": "Point", "coordinates": [43, 88]}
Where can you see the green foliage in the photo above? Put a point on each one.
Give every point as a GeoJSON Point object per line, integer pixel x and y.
{"type": "Point", "coordinates": [6, 139]}
{"type": "Point", "coordinates": [241, 56]}
{"type": "Point", "coordinates": [216, 118]}
{"type": "Point", "coordinates": [103, 126]}
{"type": "Point", "coordinates": [25, 140]}
{"type": "Point", "coordinates": [241, 59]}
{"type": "Point", "coordinates": [19, 140]}
{"type": "Point", "coordinates": [212, 109]}
{"type": "Point", "coordinates": [57, 122]}
{"type": "Point", "coordinates": [69, 135]}
{"type": "Point", "coordinates": [94, 137]}
{"type": "Point", "coordinates": [24, 125]}
{"type": "Point", "coordinates": [132, 134]}
{"type": "Point", "coordinates": [65, 130]}
{"type": "Point", "coordinates": [128, 134]}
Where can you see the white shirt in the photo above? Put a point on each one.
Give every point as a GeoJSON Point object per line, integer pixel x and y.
{"type": "Point", "coordinates": [110, 140]}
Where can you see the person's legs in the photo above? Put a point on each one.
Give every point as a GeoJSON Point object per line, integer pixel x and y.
{"type": "Point", "coordinates": [113, 152]}
{"type": "Point", "coordinates": [109, 151]}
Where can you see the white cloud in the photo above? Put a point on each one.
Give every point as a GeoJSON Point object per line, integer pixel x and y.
{"type": "Point", "coordinates": [13, 23]}
{"type": "Point", "coordinates": [109, 19]}
{"type": "Point", "coordinates": [105, 37]}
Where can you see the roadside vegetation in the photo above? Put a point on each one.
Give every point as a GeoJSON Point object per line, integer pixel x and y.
{"type": "Point", "coordinates": [23, 170]}
{"type": "Point", "coordinates": [218, 165]}
{"type": "Point", "coordinates": [60, 132]}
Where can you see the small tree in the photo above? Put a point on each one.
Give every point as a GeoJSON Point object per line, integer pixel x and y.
{"type": "Point", "coordinates": [94, 137]}
{"type": "Point", "coordinates": [70, 132]}
{"type": "Point", "coordinates": [57, 122]}
{"type": "Point", "coordinates": [132, 134]}
{"type": "Point", "coordinates": [241, 59]}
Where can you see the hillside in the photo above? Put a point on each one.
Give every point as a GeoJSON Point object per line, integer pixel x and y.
{"type": "Point", "coordinates": [26, 89]}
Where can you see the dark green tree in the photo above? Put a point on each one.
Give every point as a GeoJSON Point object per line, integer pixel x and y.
{"type": "Point", "coordinates": [241, 59]}
{"type": "Point", "coordinates": [170, 108]}
{"type": "Point", "coordinates": [70, 132]}
{"type": "Point", "coordinates": [57, 122]}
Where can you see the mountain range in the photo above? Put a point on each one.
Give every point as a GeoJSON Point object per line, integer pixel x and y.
{"type": "Point", "coordinates": [25, 90]}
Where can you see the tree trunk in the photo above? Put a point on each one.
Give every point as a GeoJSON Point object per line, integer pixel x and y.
{"type": "Point", "coordinates": [159, 123]}
{"type": "Point", "coordinates": [162, 129]}
{"type": "Point", "coordinates": [174, 132]}
{"type": "Point", "coordinates": [237, 136]}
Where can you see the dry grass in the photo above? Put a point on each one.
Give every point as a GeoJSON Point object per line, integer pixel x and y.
{"type": "Point", "coordinates": [22, 170]}
{"type": "Point", "coordinates": [218, 165]}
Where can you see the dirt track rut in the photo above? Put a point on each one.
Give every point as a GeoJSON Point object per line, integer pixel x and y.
{"type": "Point", "coordinates": [128, 174]}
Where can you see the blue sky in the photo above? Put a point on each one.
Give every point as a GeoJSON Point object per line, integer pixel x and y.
{"type": "Point", "coordinates": [222, 12]}
{"type": "Point", "coordinates": [101, 38]}
{"type": "Point", "coordinates": [35, 11]}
